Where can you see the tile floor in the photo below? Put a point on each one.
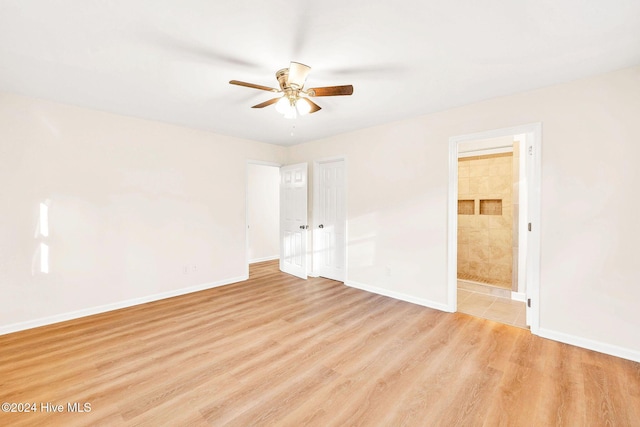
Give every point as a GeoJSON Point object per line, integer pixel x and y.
{"type": "Point", "coordinates": [490, 303]}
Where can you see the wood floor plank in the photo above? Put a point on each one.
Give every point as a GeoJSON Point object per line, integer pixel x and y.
{"type": "Point", "coordinates": [278, 350]}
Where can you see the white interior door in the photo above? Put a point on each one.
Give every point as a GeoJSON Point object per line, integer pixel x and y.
{"type": "Point", "coordinates": [293, 220]}
{"type": "Point", "coordinates": [330, 225]}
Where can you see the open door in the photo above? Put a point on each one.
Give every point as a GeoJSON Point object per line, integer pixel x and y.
{"type": "Point", "coordinates": [293, 220]}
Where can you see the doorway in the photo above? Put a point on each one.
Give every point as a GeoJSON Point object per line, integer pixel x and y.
{"type": "Point", "coordinates": [276, 216]}
{"type": "Point", "coordinates": [488, 184]}
{"type": "Point", "coordinates": [262, 211]}
{"type": "Point", "coordinates": [495, 277]}
{"type": "Point", "coordinates": [277, 206]}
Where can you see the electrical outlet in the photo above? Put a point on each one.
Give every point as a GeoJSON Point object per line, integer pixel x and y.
{"type": "Point", "coordinates": [185, 269]}
{"type": "Point", "coordinates": [194, 268]}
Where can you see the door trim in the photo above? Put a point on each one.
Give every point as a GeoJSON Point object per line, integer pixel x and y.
{"type": "Point", "coordinates": [533, 132]}
{"type": "Point", "coordinates": [315, 214]}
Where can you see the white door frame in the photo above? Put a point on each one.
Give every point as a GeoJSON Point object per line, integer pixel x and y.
{"type": "Point", "coordinates": [246, 207]}
{"type": "Point", "coordinates": [532, 152]}
{"type": "Point", "coordinates": [316, 243]}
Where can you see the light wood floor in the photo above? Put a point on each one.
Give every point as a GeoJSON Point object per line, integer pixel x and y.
{"type": "Point", "coordinates": [276, 350]}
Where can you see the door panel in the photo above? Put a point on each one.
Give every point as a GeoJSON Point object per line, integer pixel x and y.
{"type": "Point", "coordinates": [293, 220]}
{"type": "Point", "coordinates": [331, 221]}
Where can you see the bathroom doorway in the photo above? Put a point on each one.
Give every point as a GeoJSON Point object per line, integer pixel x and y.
{"type": "Point", "coordinates": [488, 230]}
{"type": "Point", "coordinates": [492, 254]}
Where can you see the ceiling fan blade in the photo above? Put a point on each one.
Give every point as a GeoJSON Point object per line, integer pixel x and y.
{"type": "Point", "coordinates": [331, 90]}
{"type": "Point", "coordinates": [267, 103]}
{"type": "Point", "coordinates": [298, 74]}
{"type": "Point", "coordinates": [254, 86]}
{"type": "Point", "coordinates": [314, 107]}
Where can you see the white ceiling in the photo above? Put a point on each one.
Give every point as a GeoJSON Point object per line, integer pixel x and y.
{"type": "Point", "coordinates": [171, 60]}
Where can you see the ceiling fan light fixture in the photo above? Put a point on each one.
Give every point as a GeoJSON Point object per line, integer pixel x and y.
{"type": "Point", "coordinates": [287, 107]}
{"type": "Point", "coordinates": [303, 106]}
{"type": "Point", "coordinates": [297, 74]}
{"type": "Point", "coordinates": [283, 105]}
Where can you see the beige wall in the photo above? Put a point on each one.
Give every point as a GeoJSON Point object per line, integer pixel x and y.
{"type": "Point", "coordinates": [397, 181]}
{"type": "Point", "coordinates": [131, 204]}
{"type": "Point", "coordinates": [485, 240]}
{"type": "Point", "coordinates": [132, 201]}
{"type": "Point", "coordinates": [263, 212]}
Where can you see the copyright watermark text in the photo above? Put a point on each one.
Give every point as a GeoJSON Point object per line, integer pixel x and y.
{"type": "Point", "coordinates": [47, 407]}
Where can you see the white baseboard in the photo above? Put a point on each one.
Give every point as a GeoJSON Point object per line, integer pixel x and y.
{"type": "Point", "coordinates": [15, 327]}
{"type": "Point", "coordinates": [610, 349]}
{"type": "Point", "coordinates": [266, 258]}
{"type": "Point", "coordinates": [598, 346]}
{"type": "Point", "coordinates": [399, 296]}
{"type": "Point", "coordinates": [519, 296]}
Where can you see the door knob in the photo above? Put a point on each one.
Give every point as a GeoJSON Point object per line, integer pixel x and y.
{"type": "Point", "coordinates": [304, 227]}
{"type": "Point", "coordinates": [321, 226]}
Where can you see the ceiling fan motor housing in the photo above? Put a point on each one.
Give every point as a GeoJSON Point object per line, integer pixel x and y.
{"type": "Point", "coordinates": [283, 78]}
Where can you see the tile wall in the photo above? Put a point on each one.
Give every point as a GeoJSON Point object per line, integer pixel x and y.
{"type": "Point", "coordinates": [485, 241]}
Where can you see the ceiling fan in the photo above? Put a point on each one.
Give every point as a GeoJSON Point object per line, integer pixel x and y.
{"type": "Point", "coordinates": [295, 98]}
